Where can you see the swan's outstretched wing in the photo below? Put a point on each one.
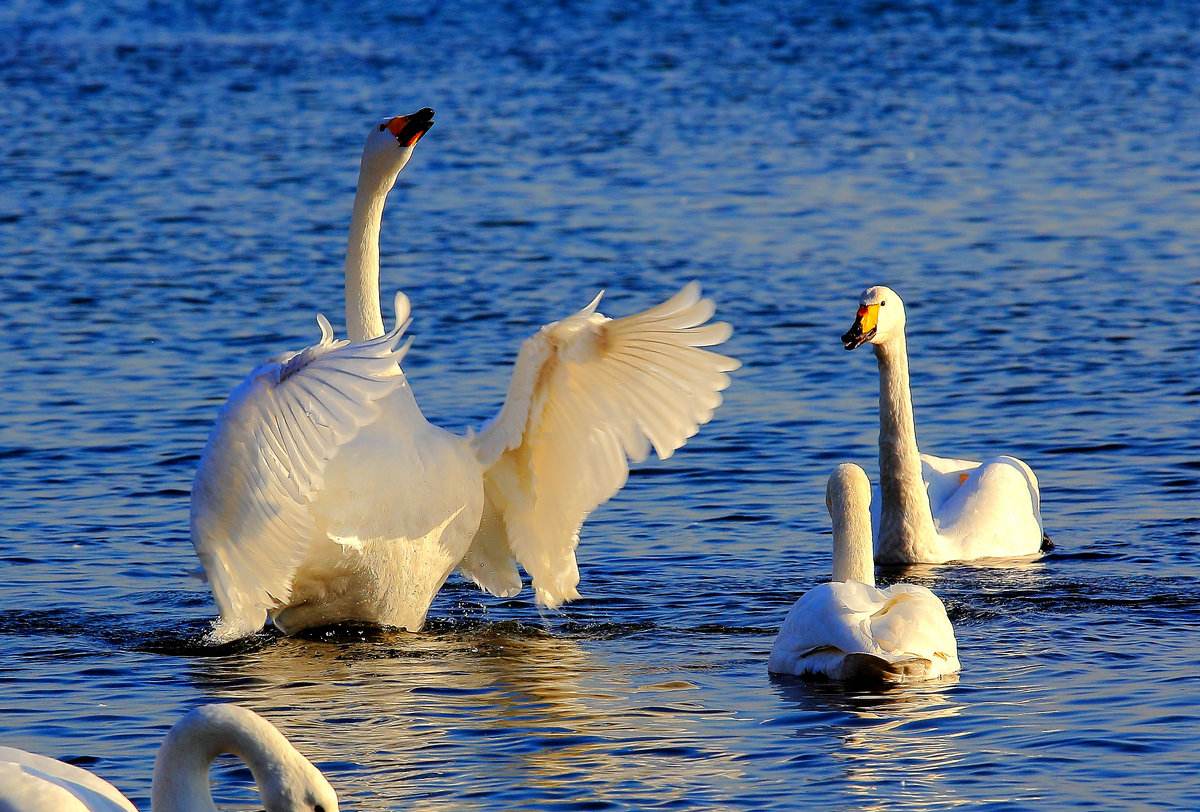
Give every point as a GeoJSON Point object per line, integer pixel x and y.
{"type": "Point", "coordinates": [265, 460]}
{"type": "Point", "coordinates": [587, 395]}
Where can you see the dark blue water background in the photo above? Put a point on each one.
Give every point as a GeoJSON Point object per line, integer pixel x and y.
{"type": "Point", "coordinates": [176, 190]}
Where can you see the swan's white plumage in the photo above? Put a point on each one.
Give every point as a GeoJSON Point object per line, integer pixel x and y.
{"type": "Point", "coordinates": [35, 783]}
{"type": "Point", "coordinates": [937, 509]}
{"type": "Point", "coordinates": [265, 462]}
{"type": "Point", "coordinates": [313, 513]}
{"type": "Point", "coordinates": [851, 630]}
{"type": "Point", "coordinates": [589, 394]}
{"type": "Point", "coordinates": [904, 625]}
{"type": "Point", "coordinates": [971, 507]}
{"type": "Point", "coordinates": [983, 509]}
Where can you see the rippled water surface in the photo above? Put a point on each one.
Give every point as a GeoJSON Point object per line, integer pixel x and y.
{"type": "Point", "coordinates": [177, 186]}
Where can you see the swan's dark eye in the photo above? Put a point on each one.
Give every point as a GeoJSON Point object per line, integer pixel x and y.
{"type": "Point", "coordinates": [881, 304]}
{"type": "Point", "coordinates": [382, 127]}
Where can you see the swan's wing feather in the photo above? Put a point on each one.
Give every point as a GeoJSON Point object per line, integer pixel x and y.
{"type": "Point", "coordinates": [829, 619]}
{"type": "Point", "coordinates": [489, 561]}
{"type": "Point", "coordinates": [995, 510]}
{"type": "Point", "coordinates": [265, 460]}
{"type": "Point", "coordinates": [838, 629]}
{"type": "Point", "coordinates": [913, 623]}
{"type": "Point", "coordinates": [931, 464]}
{"type": "Point", "coordinates": [589, 394]}
{"type": "Point", "coordinates": [943, 476]}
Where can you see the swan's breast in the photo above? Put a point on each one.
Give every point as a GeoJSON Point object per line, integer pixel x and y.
{"type": "Point", "coordinates": [400, 477]}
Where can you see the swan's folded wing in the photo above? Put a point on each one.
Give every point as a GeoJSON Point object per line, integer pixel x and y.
{"type": "Point", "coordinates": [265, 461]}
{"type": "Point", "coordinates": [943, 476]}
{"type": "Point", "coordinates": [587, 395]}
{"type": "Point", "coordinates": [829, 619]}
{"type": "Point", "coordinates": [913, 622]}
{"type": "Point", "coordinates": [996, 511]}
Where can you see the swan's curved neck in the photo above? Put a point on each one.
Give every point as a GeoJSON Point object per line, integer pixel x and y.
{"type": "Point", "coordinates": [181, 770]}
{"type": "Point", "coordinates": [363, 318]}
{"type": "Point", "coordinates": [905, 516]}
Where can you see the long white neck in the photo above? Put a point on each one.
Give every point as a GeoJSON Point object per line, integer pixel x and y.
{"type": "Point", "coordinates": [363, 318]}
{"type": "Point", "coordinates": [852, 557]}
{"type": "Point", "coordinates": [905, 517]}
{"type": "Point", "coordinates": [181, 770]}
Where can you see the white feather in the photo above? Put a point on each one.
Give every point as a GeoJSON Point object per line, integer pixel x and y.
{"type": "Point", "coordinates": [265, 461]}
{"type": "Point", "coordinates": [849, 629]}
{"type": "Point", "coordinates": [589, 394]}
{"type": "Point", "coordinates": [901, 624]}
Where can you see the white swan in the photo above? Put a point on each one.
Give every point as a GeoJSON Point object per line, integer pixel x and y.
{"type": "Point", "coordinates": [287, 781]}
{"type": "Point", "coordinates": [937, 509]}
{"type": "Point", "coordinates": [849, 630]}
{"type": "Point", "coordinates": [324, 495]}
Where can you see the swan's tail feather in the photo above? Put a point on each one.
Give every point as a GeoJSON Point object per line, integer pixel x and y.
{"type": "Point", "coordinates": [873, 670]}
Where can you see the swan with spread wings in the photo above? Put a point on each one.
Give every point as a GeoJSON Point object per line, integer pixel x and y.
{"type": "Point", "coordinates": [324, 494]}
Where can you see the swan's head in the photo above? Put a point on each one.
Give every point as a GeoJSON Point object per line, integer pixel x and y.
{"type": "Point", "coordinates": [848, 492]}
{"type": "Point", "coordinates": [880, 317]}
{"type": "Point", "coordinates": [848, 498]}
{"type": "Point", "coordinates": [390, 143]}
{"type": "Point", "coordinates": [297, 787]}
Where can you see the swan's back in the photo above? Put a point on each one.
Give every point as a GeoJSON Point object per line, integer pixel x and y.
{"type": "Point", "coordinates": [849, 631]}
{"type": "Point", "coordinates": [34, 783]}
{"type": "Point", "coordinates": [913, 624]}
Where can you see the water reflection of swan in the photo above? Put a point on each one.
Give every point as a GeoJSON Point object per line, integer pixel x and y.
{"type": "Point", "coordinates": [893, 746]}
{"type": "Point", "coordinates": [545, 715]}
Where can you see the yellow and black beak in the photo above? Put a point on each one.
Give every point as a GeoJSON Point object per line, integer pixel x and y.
{"type": "Point", "coordinates": [863, 329]}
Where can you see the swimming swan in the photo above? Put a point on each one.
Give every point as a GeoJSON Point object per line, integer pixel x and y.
{"type": "Point", "coordinates": [936, 509]}
{"type": "Point", "coordinates": [287, 781]}
{"type": "Point", "coordinates": [324, 495]}
{"type": "Point", "coordinates": [851, 631]}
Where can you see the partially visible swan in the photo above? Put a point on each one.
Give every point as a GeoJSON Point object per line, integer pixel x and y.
{"type": "Point", "coordinates": [324, 495]}
{"type": "Point", "coordinates": [937, 509]}
{"type": "Point", "coordinates": [851, 631]}
{"type": "Point", "coordinates": [287, 781]}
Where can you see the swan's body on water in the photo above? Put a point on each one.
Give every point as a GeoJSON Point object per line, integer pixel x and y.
{"type": "Point", "coordinates": [287, 781]}
{"type": "Point", "coordinates": [324, 494]}
{"type": "Point", "coordinates": [936, 509]}
{"type": "Point", "coordinates": [849, 630]}
{"type": "Point", "coordinates": [33, 783]}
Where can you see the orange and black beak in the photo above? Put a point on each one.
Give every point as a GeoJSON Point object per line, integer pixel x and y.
{"type": "Point", "coordinates": [409, 129]}
{"type": "Point", "coordinates": [863, 329]}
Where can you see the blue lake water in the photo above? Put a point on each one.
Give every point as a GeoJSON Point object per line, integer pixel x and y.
{"type": "Point", "coordinates": [176, 190]}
